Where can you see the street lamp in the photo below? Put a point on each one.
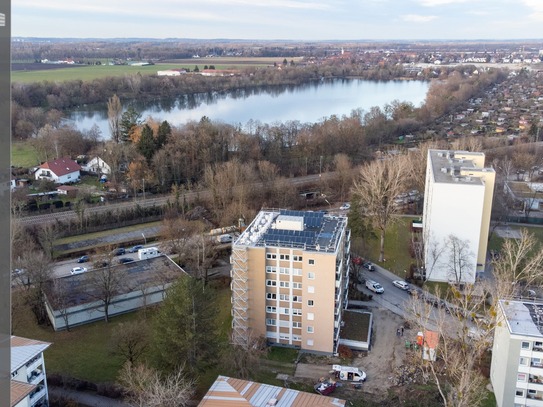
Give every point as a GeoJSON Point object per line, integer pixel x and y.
{"type": "Point", "coordinates": [144, 239]}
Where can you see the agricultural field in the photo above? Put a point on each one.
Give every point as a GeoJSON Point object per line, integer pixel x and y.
{"type": "Point", "coordinates": [27, 73]}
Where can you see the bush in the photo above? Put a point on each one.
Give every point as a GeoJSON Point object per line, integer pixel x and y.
{"type": "Point", "coordinates": [110, 390]}
{"type": "Point", "coordinates": [345, 352]}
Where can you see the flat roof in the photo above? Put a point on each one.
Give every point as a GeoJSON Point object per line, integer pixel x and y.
{"type": "Point", "coordinates": [227, 391]}
{"type": "Point", "coordinates": [84, 288]}
{"type": "Point", "coordinates": [523, 317]}
{"type": "Point", "coordinates": [23, 350]}
{"type": "Point", "coordinates": [447, 166]}
{"type": "Point", "coordinates": [306, 230]}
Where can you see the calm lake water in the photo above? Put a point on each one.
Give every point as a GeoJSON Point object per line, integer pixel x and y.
{"type": "Point", "coordinates": [307, 103]}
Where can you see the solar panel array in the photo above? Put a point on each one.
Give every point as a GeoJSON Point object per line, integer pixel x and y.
{"type": "Point", "coordinates": [292, 236]}
{"type": "Point", "coordinates": [312, 220]}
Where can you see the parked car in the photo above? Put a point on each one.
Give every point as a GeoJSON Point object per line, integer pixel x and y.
{"type": "Point", "coordinates": [78, 270]}
{"type": "Point", "coordinates": [124, 260]}
{"type": "Point", "coordinates": [119, 251]}
{"type": "Point", "coordinates": [375, 287]}
{"type": "Point", "coordinates": [368, 265]}
{"type": "Point", "coordinates": [134, 249]}
{"type": "Point", "coordinates": [345, 206]}
{"type": "Point", "coordinates": [83, 259]}
{"type": "Point", "coordinates": [402, 285]}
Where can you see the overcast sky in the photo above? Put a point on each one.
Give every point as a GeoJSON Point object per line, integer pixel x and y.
{"type": "Point", "coordinates": [280, 19]}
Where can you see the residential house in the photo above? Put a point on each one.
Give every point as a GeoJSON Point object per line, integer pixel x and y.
{"type": "Point", "coordinates": [456, 215]}
{"type": "Point", "coordinates": [227, 392]}
{"type": "Point", "coordinates": [528, 194]}
{"type": "Point", "coordinates": [516, 371]}
{"type": "Point", "coordinates": [60, 171]}
{"type": "Point", "coordinates": [28, 377]}
{"type": "Point", "coordinates": [97, 166]}
{"type": "Point", "coordinates": [290, 274]}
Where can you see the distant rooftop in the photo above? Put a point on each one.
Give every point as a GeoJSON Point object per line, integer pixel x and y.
{"type": "Point", "coordinates": [447, 166]}
{"type": "Point", "coordinates": [307, 230]}
{"type": "Point", "coordinates": [523, 318]}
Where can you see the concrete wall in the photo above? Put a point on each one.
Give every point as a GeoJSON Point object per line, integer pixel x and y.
{"type": "Point", "coordinates": [89, 312]}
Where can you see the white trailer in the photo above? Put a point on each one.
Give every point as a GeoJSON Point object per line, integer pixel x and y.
{"type": "Point", "coordinates": [148, 253]}
{"type": "Point", "coordinates": [349, 373]}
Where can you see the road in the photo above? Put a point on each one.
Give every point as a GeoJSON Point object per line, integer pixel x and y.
{"type": "Point", "coordinates": [147, 202]}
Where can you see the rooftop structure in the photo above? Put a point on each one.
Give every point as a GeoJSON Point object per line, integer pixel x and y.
{"type": "Point", "coordinates": [457, 205]}
{"type": "Point", "coordinates": [227, 391]}
{"type": "Point", "coordinates": [290, 272]}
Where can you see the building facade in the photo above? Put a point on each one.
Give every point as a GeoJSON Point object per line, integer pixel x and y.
{"type": "Point", "coordinates": [60, 171]}
{"type": "Point", "coordinates": [28, 378]}
{"type": "Point", "coordinates": [456, 219]}
{"type": "Point", "coordinates": [516, 372]}
{"type": "Point", "coordinates": [290, 277]}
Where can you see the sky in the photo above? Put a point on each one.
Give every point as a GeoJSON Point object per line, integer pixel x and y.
{"type": "Point", "coordinates": [305, 20]}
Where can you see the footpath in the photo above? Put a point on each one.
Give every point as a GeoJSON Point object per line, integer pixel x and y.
{"type": "Point", "coordinates": [83, 398]}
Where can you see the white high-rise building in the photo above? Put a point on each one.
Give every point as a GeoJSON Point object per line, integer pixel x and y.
{"type": "Point", "coordinates": [516, 372]}
{"type": "Point", "coordinates": [456, 219]}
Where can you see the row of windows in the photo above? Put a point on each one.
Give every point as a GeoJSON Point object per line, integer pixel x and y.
{"type": "Point", "coordinates": [273, 322]}
{"type": "Point", "coordinates": [520, 392]}
{"type": "Point", "coordinates": [284, 297]}
{"type": "Point", "coordinates": [284, 311]}
{"type": "Point", "coordinates": [273, 256]}
{"type": "Point", "coordinates": [537, 346]}
{"type": "Point", "coordinates": [284, 284]}
{"type": "Point", "coordinates": [284, 270]}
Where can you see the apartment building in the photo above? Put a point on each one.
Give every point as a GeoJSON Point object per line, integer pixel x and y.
{"type": "Point", "coordinates": [516, 372]}
{"type": "Point", "coordinates": [28, 380]}
{"type": "Point", "coordinates": [290, 277]}
{"type": "Point", "coordinates": [456, 219]}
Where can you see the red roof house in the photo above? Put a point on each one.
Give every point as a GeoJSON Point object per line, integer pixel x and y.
{"type": "Point", "coordinates": [60, 171]}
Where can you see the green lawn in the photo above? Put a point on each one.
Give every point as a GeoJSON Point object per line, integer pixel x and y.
{"type": "Point", "coordinates": [23, 155]}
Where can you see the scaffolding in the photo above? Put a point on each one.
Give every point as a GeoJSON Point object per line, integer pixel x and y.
{"type": "Point", "coordinates": [240, 296]}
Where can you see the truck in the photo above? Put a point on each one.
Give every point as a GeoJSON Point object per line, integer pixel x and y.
{"type": "Point", "coordinates": [352, 374]}
{"type": "Point", "coordinates": [148, 253]}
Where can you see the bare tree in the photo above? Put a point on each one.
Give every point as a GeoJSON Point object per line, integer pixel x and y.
{"type": "Point", "coordinates": [130, 340]}
{"type": "Point", "coordinates": [114, 111]}
{"type": "Point", "coordinates": [146, 388]}
{"type": "Point", "coordinates": [177, 233]}
{"type": "Point", "coordinates": [378, 185]}
{"type": "Point", "coordinates": [59, 299]}
{"type": "Point", "coordinates": [343, 166]}
{"type": "Point", "coordinates": [244, 360]}
{"type": "Point", "coordinates": [460, 259]}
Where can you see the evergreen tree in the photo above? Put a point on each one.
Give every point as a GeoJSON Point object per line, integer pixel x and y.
{"type": "Point", "coordinates": [147, 144]}
{"type": "Point", "coordinates": [185, 329]}
{"type": "Point", "coordinates": [164, 131]}
{"type": "Point", "coordinates": [130, 119]}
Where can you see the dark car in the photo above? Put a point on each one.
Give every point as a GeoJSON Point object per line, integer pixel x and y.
{"type": "Point", "coordinates": [124, 260]}
{"type": "Point", "coordinates": [134, 249]}
{"type": "Point", "coordinates": [119, 251]}
{"type": "Point", "coordinates": [368, 266]}
{"type": "Point", "coordinates": [83, 259]}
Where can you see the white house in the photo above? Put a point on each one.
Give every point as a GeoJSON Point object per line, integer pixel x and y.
{"type": "Point", "coordinates": [97, 166]}
{"type": "Point", "coordinates": [28, 379]}
{"type": "Point", "coordinates": [60, 171]}
{"type": "Point", "coordinates": [456, 217]}
{"type": "Point", "coordinates": [516, 371]}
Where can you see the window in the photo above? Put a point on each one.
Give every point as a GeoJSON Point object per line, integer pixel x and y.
{"type": "Point", "coordinates": [521, 377]}
{"type": "Point", "coordinates": [310, 303]}
{"type": "Point", "coordinates": [297, 298]}
{"type": "Point", "coordinates": [271, 296]}
{"type": "Point", "coordinates": [311, 289]}
{"type": "Point", "coordinates": [284, 337]}
{"type": "Point", "coordinates": [525, 345]}
{"type": "Point", "coordinates": [538, 345]}
{"type": "Point", "coordinates": [271, 256]}
{"type": "Point", "coordinates": [284, 257]}
{"type": "Point", "coordinates": [297, 272]}
{"type": "Point", "coordinates": [310, 342]}
{"type": "Point", "coordinates": [284, 284]}
{"type": "Point", "coordinates": [297, 258]}
{"type": "Point", "coordinates": [523, 361]}
{"type": "Point", "coordinates": [271, 309]}
{"type": "Point", "coordinates": [310, 275]}
{"type": "Point", "coordinates": [297, 285]}
{"type": "Point", "coordinates": [271, 322]}
{"type": "Point", "coordinates": [271, 283]}
{"type": "Point", "coordinates": [285, 311]}
{"type": "Point", "coordinates": [284, 297]}
{"type": "Point", "coordinates": [296, 338]}
{"type": "Point", "coordinates": [310, 316]}
{"type": "Point", "coordinates": [531, 391]}
{"type": "Point", "coordinates": [296, 311]}
{"type": "Point", "coordinates": [284, 270]}
{"type": "Point", "coordinates": [296, 324]}
{"type": "Point", "coordinates": [519, 393]}
{"type": "Point", "coordinates": [311, 261]}
{"type": "Point", "coordinates": [270, 269]}
{"type": "Point", "coordinates": [310, 330]}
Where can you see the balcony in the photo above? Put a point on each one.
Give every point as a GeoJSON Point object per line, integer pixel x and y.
{"type": "Point", "coordinates": [36, 377]}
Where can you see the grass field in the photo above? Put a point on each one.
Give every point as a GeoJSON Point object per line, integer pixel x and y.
{"type": "Point", "coordinates": [90, 72]}
{"type": "Point", "coordinates": [23, 155]}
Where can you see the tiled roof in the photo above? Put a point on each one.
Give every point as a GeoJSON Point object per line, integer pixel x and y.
{"type": "Point", "coordinates": [19, 390]}
{"type": "Point", "coordinates": [23, 350]}
{"type": "Point", "coordinates": [61, 166]}
{"type": "Point", "coordinates": [230, 392]}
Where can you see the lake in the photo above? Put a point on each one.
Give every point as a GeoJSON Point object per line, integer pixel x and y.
{"type": "Point", "coordinates": [307, 103]}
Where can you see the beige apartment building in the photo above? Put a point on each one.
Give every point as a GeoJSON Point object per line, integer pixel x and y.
{"type": "Point", "coordinates": [290, 277]}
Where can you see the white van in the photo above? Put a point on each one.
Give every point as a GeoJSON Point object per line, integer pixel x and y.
{"type": "Point", "coordinates": [148, 253]}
